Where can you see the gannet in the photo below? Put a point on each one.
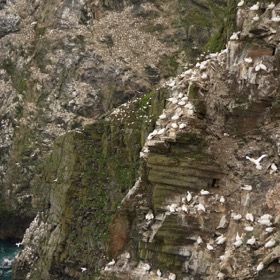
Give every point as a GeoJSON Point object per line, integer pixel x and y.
{"type": "Point", "coordinates": [200, 207]}
{"type": "Point", "coordinates": [149, 216]}
{"type": "Point", "coordinates": [271, 6]}
{"type": "Point", "coordinates": [256, 161]}
{"type": "Point", "coordinates": [247, 188]}
{"type": "Point", "coordinates": [185, 208]}
{"type": "Point", "coordinates": [209, 247]}
{"type": "Point", "coordinates": [189, 197]}
{"type": "Point", "coordinates": [204, 76]}
{"type": "Point", "coordinates": [146, 267]}
{"type": "Point", "coordinates": [162, 116]}
{"type": "Point", "coordinates": [182, 125]}
{"type": "Point", "coordinates": [174, 125]}
{"type": "Point", "coordinates": [182, 103]}
{"type": "Point", "coordinates": [269, 229]}
{"type": "Point", "coordinates": [236, 217]}
{"type": "Point", "coordinates": [222, 200]}
{"type": "Point", "coordinates": [275, 19]}
{"type": "Point", "coordinates": [238, 240]}
{"type": "Point", "coordinates": [220, 240]}
{"type": "Point", "coordinates": [199, 240]}
{"type": "Point", "coordinates": [234, 36]}
{"type": "Point", "coordinates": [111, 263]}
{"type": "Point", "coordinates": [260, 266]}
{"type": "Point", "coordinates": [269, 243]}
{"type": "Point", "coordinates": [240, 4]}
{"type": "Point", "coordinates": [161, 131]}
{"type": "Point", "coordinates": [255, 7]}
{"type": "Point", "coordinates": [221, 275]}
{"type": "Point", "coordinates": [172, 207]}
{"type": "Point", "coordinates": [251, 241]}
{"type": "Point", "coordinates": [203, 192]}
{"type": "Point", "coordinates": [248, 59]}
{"type": "Point", "coordinates": [260, 66]}
{"type": "Point", "coordinates": [83, 269]}
{"type": "Point", "coordinates": [249, 217]}
{"type": "Point", "coordinates": [159, 273]}
{"type": "Point", "coordinates": [249, 228]}
{"type": "Point", "coordinates": [273, 168]}
{"type": "Point", "coordinates": [256, 18]}
{"type": "Point", "coordinates": [175, 118]}
{"type": "Point", "coordinates": [171, 276]}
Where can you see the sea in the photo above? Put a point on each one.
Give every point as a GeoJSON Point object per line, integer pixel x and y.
{"type": "Point", "coordinates": [8, 251]}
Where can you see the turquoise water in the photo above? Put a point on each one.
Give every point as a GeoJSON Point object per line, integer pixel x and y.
{"type": "Point", "coordinates": [7, 253]}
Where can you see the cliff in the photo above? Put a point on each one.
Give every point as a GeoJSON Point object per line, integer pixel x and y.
{"type": "Point", "coordinates": [79, 106]}
{"type": "Point", "coordinates": [66, 63]}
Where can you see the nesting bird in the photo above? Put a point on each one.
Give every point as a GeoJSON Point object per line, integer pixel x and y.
{"type": "Point", "coordinates": [251, 241]}
{"type": "Point", "coordinates": [255, 7]}
{"type": "Point", "coordinates": [270, 243]}
{"type": "Point", "coordinates": [249, 217]}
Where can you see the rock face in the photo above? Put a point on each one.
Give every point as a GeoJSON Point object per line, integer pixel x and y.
{"type": "Point", "coordinates": [62, 67]}
{"type": "Point", "coordinates": [206, 203]}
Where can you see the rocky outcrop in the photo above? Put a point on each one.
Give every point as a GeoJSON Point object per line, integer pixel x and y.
{"type": "Point", "coordinates": [206, 205]}
{"type": "Point", "coordinates": [62, 67]}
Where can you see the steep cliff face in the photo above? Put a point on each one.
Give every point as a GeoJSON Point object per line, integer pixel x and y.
{"type": "Point", "coordinates": [207, 206]}
{"type": "Point", "coordinates": [65, 64]}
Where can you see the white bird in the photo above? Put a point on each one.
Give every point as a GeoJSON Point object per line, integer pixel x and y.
{"type": "Point", "coordinates": [247, 188]}
{"type": "Point", "coordinates": [234, 37]}
{"type": "Point", "coordinates": [271, 6]}
{"type": "Point", "coordinates": [273, 168]}
{"type": "Point", "coordinates": [19, 244]}
{"type": "Point", "coordinates": [249, 217]}
{"type": "Point", "coordinates": [174, 125]}
{"type": "Point", "coordinates": [182, 103]}
{"type": "Point", "coordinates": [182, 125]}
{"type": "Point", "coordinates": [83, 269]}
{"type": "Point", "coordinates": [149, 216]}
{"type": "Point", "coordinates": [255, 7]}
{"type": "Point", "coordinates": [256, 18]}
{"type": "Point", "coordinates": [127, 255]}
{"type": "Point", "coordinates": [236, 217]}
{"type": "Point", "coordinates": [266, 217]}
{"type": "Point", "coordinates": [204, 76]}
{"type": "Point", "coordinates": [171, 83]}
{"type": "Point", "coordinates": [221, 276]}
{"type": "Point", "coordinates": [199, 240]}
{"type": "Point", "coordinates": [265, 222]}
{"type": "Point", "coordinates": [248, 59]}
{"type": "Point", "coordinates": [251, 241]}
{"type": "Point", "coordinates": [185, 208]}
{"type": "Point", "coordinates": [175, 118]}
{"type": "Point", "coordinates": [162, 116]}
{"type": "Point", "coordinates": [238, 243]}
{"type": "Point", "coordinates": [249, 228]}
{"type": "Point", "coordinates": [257, 161]}
{"type": "Point", "coordinates": [275, 19]}
{"type": "Point", "coordinates": [222, 200]}
{"type": "Point", "coordinates": [220, 240]}
{"type": "Point", "coordinates": [159, 273]}
{"type": "Point", "coordinates": [189, 197]}
{"type": "Point", "coordinates": [240, 4]}
{"type": "Point", "coordinates": [172, 276]}
{"type": "Point", "coordinates": [146, 267]}
{"type": "Point", "coordinates": [200, 207]}
{"type": "Point", "coordinates": [203, 192]}
{"type": "Point", "coordinates": [111, 263]}
{"type": "Point", "coordinates": [55, 180]}
{"type": "Point", "coordinates": [269, 229]}
{"type": "Point", "coordinates": [172, 207]}
{"type": "Point", "coordinates": [209, 247]}
{"type": "Point", "coordinates": [161, 131]}
{"type": "Point", "coordinates": [260, 66]}
{"type": "Point", "coordinates": [260, 266]}
{"type": "Point", "coordinates": [269, 243]}
{"type": "Point", "coordinates": [152, 134]}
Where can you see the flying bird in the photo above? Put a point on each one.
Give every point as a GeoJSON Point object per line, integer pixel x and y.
{"type": "Point", "coordinates": [257, 161]}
